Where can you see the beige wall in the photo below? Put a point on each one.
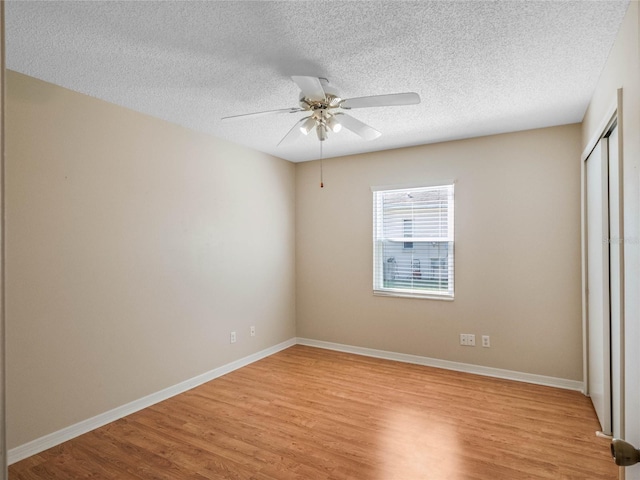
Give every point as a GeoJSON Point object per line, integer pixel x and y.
{"type": "Point", "coordinates": [134, 247]}
{"type": "Point", "coordinates": [517, 253]}
{"type": "Point", "coordinates": [623, 71]}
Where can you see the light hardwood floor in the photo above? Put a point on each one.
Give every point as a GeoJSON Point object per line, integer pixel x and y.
{"type": "Point", "coordinates": [307, 413]}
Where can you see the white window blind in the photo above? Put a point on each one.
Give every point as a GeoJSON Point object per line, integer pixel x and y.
{"type": "Point", "coordinates": [413, 242]}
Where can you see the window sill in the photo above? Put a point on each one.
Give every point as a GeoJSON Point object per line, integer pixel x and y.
{"type": "Point", "coordinates": [427, 296]}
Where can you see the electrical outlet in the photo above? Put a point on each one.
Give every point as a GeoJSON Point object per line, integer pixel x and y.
{"type": "Point", "coordinates": [233, 337]}
{"type": "Point", "coordinates": [468, 339]}
{"type": "Point", "coordinates": [486, 341]}
{"type": "Point", "coordinates": [253, 331]}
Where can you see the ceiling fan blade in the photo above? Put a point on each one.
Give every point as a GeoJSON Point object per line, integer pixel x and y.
{"type": "Point", "coordinates": [260, 114]}
{"type": "Point", "coordinates": [294, 133]}
{"type": "Point", "coordinates": [357, 127]}
{"type": "Point", "coordinates": [310, 87]}
{"type": "Point", "coordinates": [390, 100]}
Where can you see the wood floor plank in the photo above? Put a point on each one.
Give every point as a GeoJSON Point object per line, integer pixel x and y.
{"type": "Point", "coordinates": [313, 414]}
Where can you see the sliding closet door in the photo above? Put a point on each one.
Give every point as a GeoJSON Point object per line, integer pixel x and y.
{"type": "Point", "coordinates": [598, 309]}
{"type": "Point", "coordinates": [616, 284]}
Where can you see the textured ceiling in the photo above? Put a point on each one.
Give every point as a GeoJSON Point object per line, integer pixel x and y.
{"type": "Point", "coordinates": [480, 67]}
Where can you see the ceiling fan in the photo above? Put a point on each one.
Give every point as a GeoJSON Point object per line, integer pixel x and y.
{"type": "Point", "coordinates": [326, 110]}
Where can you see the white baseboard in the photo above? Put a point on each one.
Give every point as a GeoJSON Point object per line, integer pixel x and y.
{"type": "Point", "coordinates": [56, 438]}
{"type": "Point", "coordinates": [448, 365]}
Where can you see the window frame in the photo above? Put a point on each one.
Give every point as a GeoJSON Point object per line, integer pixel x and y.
{"type": "Point", "coordinates": [378, 242]}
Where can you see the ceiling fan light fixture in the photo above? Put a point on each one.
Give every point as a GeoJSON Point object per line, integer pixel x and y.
{"type": "Point", "coordinates": [308, 125]}
{"type": "Point", "coordinates": [334, 124]}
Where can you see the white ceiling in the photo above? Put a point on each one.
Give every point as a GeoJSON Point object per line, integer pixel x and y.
{"type": "Point", "coordinates": [480, 67]}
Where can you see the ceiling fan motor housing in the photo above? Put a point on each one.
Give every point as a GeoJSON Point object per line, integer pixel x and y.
{"type": "Point", "coordinates": [321, 109]}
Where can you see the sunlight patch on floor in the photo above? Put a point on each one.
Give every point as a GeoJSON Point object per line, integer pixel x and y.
{"type": "Point", "coordinates": [414, 446]}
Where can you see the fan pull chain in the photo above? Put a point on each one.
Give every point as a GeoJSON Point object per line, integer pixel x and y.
{"type": "Point", "coordinates": [321, 173]}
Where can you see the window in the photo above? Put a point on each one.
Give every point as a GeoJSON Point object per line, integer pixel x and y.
{"type": "Point", "coordinates": [413, 242]}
